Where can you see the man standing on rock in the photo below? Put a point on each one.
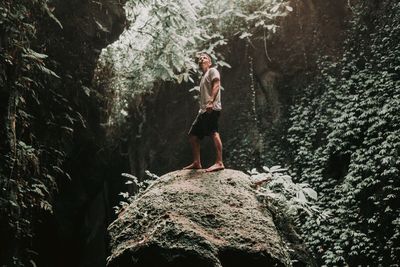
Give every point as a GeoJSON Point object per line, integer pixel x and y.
{"type": "Point", "coordinates": [206, 122]}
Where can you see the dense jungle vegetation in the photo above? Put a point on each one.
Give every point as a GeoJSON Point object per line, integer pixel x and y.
{"type": "Point", "coordinates": [344, 141]}
{"type": "Point", "coordinates": [340, 133]}
{"type": "Point", "coordinates": [36, 129]}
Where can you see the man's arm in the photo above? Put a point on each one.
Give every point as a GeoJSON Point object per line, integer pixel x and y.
{"type": "Point", "coordinates": [214, 92]}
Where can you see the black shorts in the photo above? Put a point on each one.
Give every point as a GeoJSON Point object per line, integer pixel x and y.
{"type": "Point", "coordinates": [205, 124]}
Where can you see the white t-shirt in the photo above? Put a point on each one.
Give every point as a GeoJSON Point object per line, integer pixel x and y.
{"type": "Point", "coordinates": [206, 88]}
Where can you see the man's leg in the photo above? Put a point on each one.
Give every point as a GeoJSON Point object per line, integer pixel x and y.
{"type": "Point", "coordinates": [219, 165]}
{"type": "Point", "coordinates": [195, 143]}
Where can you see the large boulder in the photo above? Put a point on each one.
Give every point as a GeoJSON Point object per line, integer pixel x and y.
{"type": "Point", "coordinates": [193, 218]}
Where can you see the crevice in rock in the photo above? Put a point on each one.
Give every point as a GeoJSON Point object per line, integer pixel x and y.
{"type": "Point", "coordinates": [156, 256]}
{"type": "Point", "coordinates": [236, 258]}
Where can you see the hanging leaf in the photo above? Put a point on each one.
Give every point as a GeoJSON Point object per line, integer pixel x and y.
{"type": "Point", "coordinates": [47, 71]}
{"type": "Point", "coordinates": [51, 15]}
{"type": "Point", "coordinates": [245, 35]}
{"type": "Point", "coordinates": [311, 193]}
{"type": "Point", "coordinates": [275, 8]}
{"type": "Point", "coordinates": [101, 27]}
{"type": "Point", "coordinates": [223, 64]}
{"type": "Point", "coordinates": [301, 197]}
{"type": "Point", "coordinates": [34, 55]}
{"type": "Point", "coordinates": [289, 8]}
{"type": "Point", "coordinates": [86, 90]}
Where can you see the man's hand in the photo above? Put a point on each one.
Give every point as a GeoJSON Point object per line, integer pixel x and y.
{"type": "Point", "coordinates": [209, 106]}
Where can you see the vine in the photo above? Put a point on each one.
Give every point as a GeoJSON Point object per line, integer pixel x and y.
{"type": "Point", "coordinates": [344, 133]}
{"type": "Point", "coordinates": [31, 155]}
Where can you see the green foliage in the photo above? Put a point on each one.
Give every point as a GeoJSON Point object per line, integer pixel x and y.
{"type": "Point", "coordinates": [164, 36]}
{"type": "Point", "coordinates": [134, 188]}
{"type": "Point", "coordinates": [32, 139]}
{"type": "Point", "coordinates": [277, 190]}
{"type": "Point", "coordinates": [289, 203]}
{"type": "Point", "coordinates": [345, 138]}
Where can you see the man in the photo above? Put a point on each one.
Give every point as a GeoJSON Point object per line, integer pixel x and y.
{"type": "Point", "coordinates": [206, 122]}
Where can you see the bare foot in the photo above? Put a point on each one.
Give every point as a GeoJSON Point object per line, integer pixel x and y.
{"type": "Point", "coordinates": [193, 166]}
{"type": "Point", "coordinates": [216, 167]}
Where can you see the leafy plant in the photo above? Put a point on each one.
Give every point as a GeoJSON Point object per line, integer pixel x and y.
{"type": "Point", "coordinates": [30, 155]}
{"type": "Point", "coordinates": [278, 191]}
{"type": "Point", "coordinates": [164, 36]}
{"type": "Point", "coordinates": [344, 138]}
{"type": "Point", "coordinates": [136, 187]}
{"type": "Point", "coordinates": [290, 204]}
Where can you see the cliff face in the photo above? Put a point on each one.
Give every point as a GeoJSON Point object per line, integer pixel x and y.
{"type": "Point", "coordinates": [258, 91]}
{"type": "Point", "coordinates": [193, 218]}
{"type": "Point", "coordinates": [72, 234]}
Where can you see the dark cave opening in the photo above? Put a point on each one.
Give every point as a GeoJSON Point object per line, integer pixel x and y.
{"type": "Point", "coordinates": [237, 258]}
{"type": "Point", "coordinates": [154, 256]}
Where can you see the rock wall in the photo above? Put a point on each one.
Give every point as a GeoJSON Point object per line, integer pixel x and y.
{"type": "Point", "coordinates": [257, 93]}
{"type": "Point", "coordinates": [75, 234]}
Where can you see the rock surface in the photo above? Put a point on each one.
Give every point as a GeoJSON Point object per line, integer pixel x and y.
{"type": "Point", "coordinates": [193, 218]}
{"type": "Point", "coordinates": [75, 234]}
